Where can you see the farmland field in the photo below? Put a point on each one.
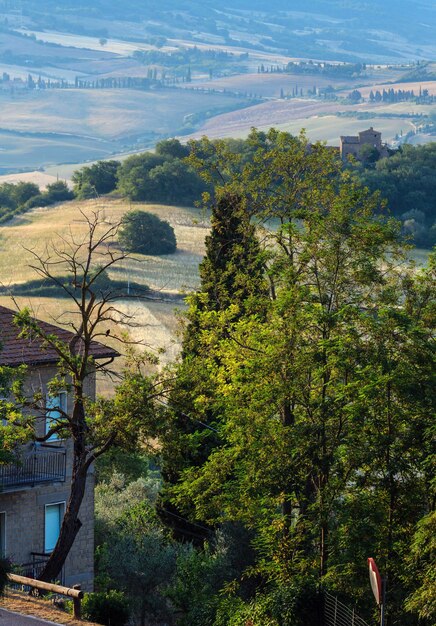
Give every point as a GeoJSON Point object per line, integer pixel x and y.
{"type": "Point", "coordinates": [269, 84]}
{"type": "Point", "coordinates": [271, 113]}
{"type": "Point", "coordinates": [167, 275]}
{"type": "Point", "coordinates": [30, 150]}
{"type": "Point", "coordinates": [68, 125]}
{"type": "Point", "coordinates": [115, 46]}
{"type": "Point", "coordinates": [60, 129]}
{"type": "Point", "coordinates": [317, 117]}
{"type": "Point", "coordinates": [331, 127]}
{"type": "Point", "coordinates": [106, 113]}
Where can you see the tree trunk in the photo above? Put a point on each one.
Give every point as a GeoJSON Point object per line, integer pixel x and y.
{"type": "Point", "coordinates": [71, 523]}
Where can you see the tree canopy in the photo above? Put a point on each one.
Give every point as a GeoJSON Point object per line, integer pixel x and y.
{"type": "Point", "coordinates": [407, 179]}
{"type": "Point", "coordinates": [308, 423]}
{"type": "Point", "coordinates": [97, 179]}
{"type": "Point", "coordinates": [146, 233]}
{"type": "Point", "coordinates": [161, 177]}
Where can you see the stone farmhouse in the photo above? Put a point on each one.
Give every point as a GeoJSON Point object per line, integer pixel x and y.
{"type": "Point", "coordinates": [353, 144]}
{"type": "Point", "coordinates": [34, 489]}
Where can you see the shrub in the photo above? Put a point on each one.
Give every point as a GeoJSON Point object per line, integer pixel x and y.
{"type": "Point", "coordinates": [5, 568]}
{"type": "Point", "coordinates": [109, 608]}
{"type": "Point", "coordinates": [58, 192]}
{"type": "Point", "coordinates": [146, 233]}
{"type": "Point", "coordinates": [37, 201]}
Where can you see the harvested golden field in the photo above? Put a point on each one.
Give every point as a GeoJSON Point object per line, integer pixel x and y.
{"type": "Point", "coordinates": [292, 115]}
{"type": "Point", "coordinates": [330, 127]}
{"type": "Point", "coordinates": [38, 178]}
{"type": "Point", "coordinates": [36, 229]}
{"type": "Point", "coordinates": [274, 113]}
{"type": "Point", "coordinates": [168, 276]}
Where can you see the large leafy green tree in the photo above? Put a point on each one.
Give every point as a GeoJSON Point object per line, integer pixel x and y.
{"type": "Point", "coordinates": [321, 430]}
{"type": "Point", "coordinates": [407, 180]}
{"type": "Point", "coordinates": [160, 177]}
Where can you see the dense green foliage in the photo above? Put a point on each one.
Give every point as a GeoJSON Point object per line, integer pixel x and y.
{"type": "Point", "coordinates": [5, 569]}
{"type": "Point", "coordinates": [16, 198]}
{"type": "Point", "coordinates": [146, 233]}
{"type": "Point", "coordinates": [307, 419]}
{"type": "Point", "coordinates": [133, 553]}
{"type": "Point", "coordinates": [407, 180]}
{"type": "Point", "coordinates": [296, 434]}
{"type": "Point", "coordinates": [106, 608]}
{"type": "Point", "coordinates": [161, 177]}
{"type": "Point", "coordinates": [232, 280]}
{"type": "Point", "coordinates": [97, 179]}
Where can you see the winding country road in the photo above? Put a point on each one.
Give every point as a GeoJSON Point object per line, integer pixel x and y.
{"type": "Point", "coordinates": [14, 619]}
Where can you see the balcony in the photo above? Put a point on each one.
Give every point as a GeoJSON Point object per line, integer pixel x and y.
{"type": "Point", "coordinates": [41, 465]}
{"type": "Point", "coordinates": [34, 568]}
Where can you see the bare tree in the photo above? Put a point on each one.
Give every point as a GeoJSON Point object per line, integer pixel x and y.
{"type": "Point", "coordinates": [78, 267]}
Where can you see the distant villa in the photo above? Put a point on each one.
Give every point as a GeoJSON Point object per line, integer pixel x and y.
{"type": "Point", "coordinates": [352, 144]}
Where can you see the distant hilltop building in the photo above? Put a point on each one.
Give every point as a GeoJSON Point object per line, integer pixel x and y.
{"type": "Point", "coordinates": [353, 144]}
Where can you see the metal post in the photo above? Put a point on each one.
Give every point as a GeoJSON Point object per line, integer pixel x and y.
{"type": "Point", "coordinates": [336, 610]}
{"type": "Point", "coordinates": [383, 604]}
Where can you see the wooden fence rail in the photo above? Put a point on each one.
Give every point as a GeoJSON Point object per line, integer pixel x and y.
{"type": "Point", "coordinates": [71, 592]}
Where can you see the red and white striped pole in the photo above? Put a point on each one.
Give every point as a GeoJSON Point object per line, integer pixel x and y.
{"type": "Point", "coordinates": [378, 587]}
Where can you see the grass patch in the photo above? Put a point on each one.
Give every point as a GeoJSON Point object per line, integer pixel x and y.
{"type": "Point", "coordinates": [165, 277]}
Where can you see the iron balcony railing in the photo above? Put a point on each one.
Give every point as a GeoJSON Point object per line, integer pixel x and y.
{"type": "Point", "coordinates": [35, 567]}
{"type": "Point", "coordinates": [41, 465]}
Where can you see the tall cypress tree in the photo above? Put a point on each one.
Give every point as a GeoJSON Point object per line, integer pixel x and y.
{"type": "Point", "coordinates": [233, 285]}
{"type": "Point", "coordinates": [232, 272]}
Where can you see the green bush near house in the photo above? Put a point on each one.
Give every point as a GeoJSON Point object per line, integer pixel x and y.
{"type": "Point", "coordinates": [109, 608]}
{"type": "Point", "coordinates": [5, 569]}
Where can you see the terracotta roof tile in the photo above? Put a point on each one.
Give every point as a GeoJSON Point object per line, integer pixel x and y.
{"type": "Point", "coordinates": [15, 350]}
